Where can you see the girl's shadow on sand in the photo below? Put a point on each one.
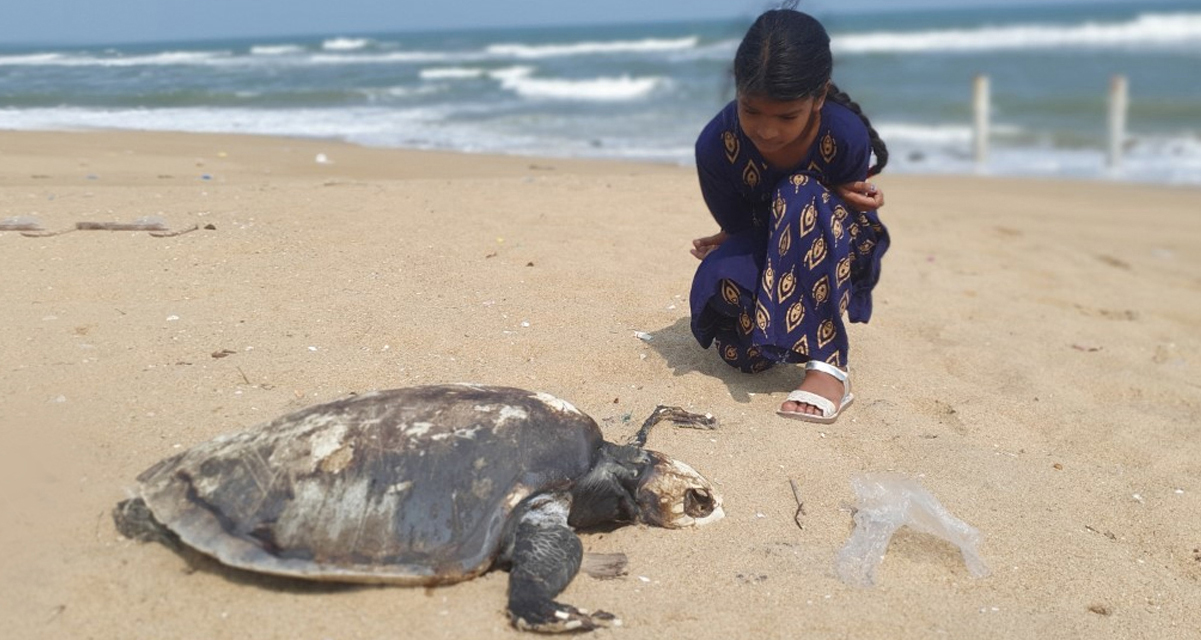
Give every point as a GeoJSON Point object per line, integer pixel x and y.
{"type": "Point", "coordinates": [684, 355]}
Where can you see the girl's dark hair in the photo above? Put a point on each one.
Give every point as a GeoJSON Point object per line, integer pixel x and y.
{"type": "Point", "coordinates": [785, 56]}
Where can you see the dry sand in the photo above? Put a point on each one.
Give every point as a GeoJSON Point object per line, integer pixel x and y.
{"type": "Point", "coordinates": [1034, 361]}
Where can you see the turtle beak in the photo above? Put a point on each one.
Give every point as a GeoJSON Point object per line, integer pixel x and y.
{"type": "Point", "coordinates": [673, 495]}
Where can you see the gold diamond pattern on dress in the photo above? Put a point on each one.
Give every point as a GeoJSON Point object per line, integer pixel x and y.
{"type": "Point", "coordinates": [816, 254]}
{"type": "Point", "coordinates": [865, 247]}
{"type": "Point", "coordinates": [744, 323]}
{"type": "Point", "coordinates": [730, 140]}
{"type": "Point", "coordinates": [843, 271]}
{"type": "Point", "coordinates": [825, 197]}
{"type": "Point", "coordinates": [729, 292]}
{"type": "Point", "coordinates": [778, 207]}
{"type": "Point", "coordinates": [835, 359]}
{"type": "Point", "coordinates": [808, 219]}
{"type": "Point", "coordinates": [750, 175]}
{"type": "Point", "coordinates": [840, 212]}
{"type": "Point", "coordinates": [828, 148]}
{"type": "Point", "coordinates": [821, 290]}
{"type": "Point", "coordinates": [730, 353]}
{"type": "Point", "coordinates": [794, 317]}
{"type": "Point", "coordinates": [787, 286]}
{"type": "Point", "coordinates": [836, 227]}
{"type": "Point", "coordinates": [798, 180]}
{"type": "Point", "coordinates": [762, 319]}
{"type": "Point", "coordinates": [825, 333]}
{"type": "Point", "coordinates": [844, 302]}
{"type": "Point", "coordinates": [802, 346]}
{"type": "Point", "coordinates": [785, 242]}
{"type": "Point", "coordinates": [769, 279]}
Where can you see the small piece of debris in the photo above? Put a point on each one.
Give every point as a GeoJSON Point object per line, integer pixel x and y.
{"type": "Point", "coordinates": [1100, 609]}
{"type": "Point", "coordinates": [1057, 466]}
{"type": "Point", "coordinates": [643, 336]}
{"type": "Point", "coordinates": [800, 506]}
{"type": "Point", "coordinates": [222, 353]}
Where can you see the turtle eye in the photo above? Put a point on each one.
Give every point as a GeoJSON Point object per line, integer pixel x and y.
{"type": "Point", "coordinates": [698, 503]}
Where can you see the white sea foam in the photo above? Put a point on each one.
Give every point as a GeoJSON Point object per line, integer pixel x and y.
{"type": "Point", "coordinates": [1146, 31]}
{"type": "Point", "coordinates": [452, 73]}
{"type": "Point", "coordinates": [31, 59]}
{"type": "Point", "coordinates": [528, 52]}
{"type": "Point", "coordinates": [393, 57]}
{"type": "Point", "coordinates": [375, 94]}
{"type": "Point", "coordinates": [155, 59]}
{"type": "Point", "coordinates": [520, 81]}
{"type": "Point", "coordinates": [275, 49]}
{"type": "Point", "coordinates": [345, 51]}
{"type": "Point", "coordinates": [938, 134]}
{"type": "Point", "coordinates": [345, 44]}
{"type": "Point", "coordinates": [1164, 159]}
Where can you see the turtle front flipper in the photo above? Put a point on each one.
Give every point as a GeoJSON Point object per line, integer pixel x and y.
{"type": "Point", "coordinates": [545, 556]}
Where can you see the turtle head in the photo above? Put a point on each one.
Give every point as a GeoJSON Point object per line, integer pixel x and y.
{"type": "Point", "coordinates": [673, 495]}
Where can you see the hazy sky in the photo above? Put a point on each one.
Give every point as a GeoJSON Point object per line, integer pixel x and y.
{"type": "Point", "coordinates": [112, 21]}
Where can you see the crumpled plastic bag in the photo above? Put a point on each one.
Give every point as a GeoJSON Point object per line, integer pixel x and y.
{"type": "Point", "coordinates": [887, 502]}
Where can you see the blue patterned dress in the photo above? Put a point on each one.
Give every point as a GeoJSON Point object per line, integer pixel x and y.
{"type": "Point", "coordinates": [797, 259]}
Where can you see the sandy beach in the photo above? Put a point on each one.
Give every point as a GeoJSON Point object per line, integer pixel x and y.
{"type": "Point", "coordinates": [1034, 361]}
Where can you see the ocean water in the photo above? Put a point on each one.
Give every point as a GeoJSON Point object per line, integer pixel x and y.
{"type": "Point", "coordinates": [644, 91]}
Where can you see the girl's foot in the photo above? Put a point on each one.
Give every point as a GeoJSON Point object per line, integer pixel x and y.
{"type": "Point", "coordinates": [824, 385]}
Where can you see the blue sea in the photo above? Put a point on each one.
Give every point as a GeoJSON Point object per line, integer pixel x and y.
{"type": "Point", "coordinates": [644, 91]}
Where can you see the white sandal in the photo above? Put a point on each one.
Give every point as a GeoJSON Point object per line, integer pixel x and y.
{"type": "Point", "coordinates": [829, 412]}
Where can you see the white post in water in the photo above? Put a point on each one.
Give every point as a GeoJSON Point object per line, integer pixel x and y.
{"type": "Point", "coordinates": [1118, 101]}
{"type": "Point", "coordinates": [980, 104]}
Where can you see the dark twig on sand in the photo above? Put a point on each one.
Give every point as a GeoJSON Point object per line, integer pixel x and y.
{"type": "Point", "coordinates": [800, 506]}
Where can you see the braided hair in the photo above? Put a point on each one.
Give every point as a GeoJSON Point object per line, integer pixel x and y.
{"type": "Point", "coordinates": [785, 56]}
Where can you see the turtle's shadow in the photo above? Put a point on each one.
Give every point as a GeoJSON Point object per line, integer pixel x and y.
{"type": "Point", "coordinates": [684, 355]}
{"type": "Point", "coordinates": [199, 562]}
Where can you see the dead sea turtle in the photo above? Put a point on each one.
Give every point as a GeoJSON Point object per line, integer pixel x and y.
{"type": "Point", "coordinates": [420, 486]}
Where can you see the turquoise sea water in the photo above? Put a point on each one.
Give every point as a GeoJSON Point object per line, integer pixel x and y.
{"type": "Point", "coordinates": [643, 91]}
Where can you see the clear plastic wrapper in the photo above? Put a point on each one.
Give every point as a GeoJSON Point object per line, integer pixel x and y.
{"type": "Point", "coordinates": [887, 502]}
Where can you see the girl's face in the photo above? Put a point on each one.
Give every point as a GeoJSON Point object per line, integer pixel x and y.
{"type": "Point", "coordinates": [772, 124]}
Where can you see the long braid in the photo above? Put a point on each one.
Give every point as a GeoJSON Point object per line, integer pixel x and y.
{"type": "Point", "coordinates": [878, 146]}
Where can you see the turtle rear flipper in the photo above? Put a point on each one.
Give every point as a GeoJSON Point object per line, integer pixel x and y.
{"type": "Point", "coordinates": [135, 521]}
{"type": "Point", "coordinates": [545, 556]}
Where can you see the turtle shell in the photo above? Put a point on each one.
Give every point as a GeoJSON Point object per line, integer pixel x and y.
{"type": "Point", "coordinates": [410, 486]}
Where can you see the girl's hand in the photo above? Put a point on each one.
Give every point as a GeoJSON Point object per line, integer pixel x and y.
{"type": "Point", "coordinates": [702, 247]}
{"type": "Point", "coordinates": [861, 196]}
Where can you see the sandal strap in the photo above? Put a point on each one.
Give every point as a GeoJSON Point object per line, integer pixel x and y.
{"type": "Point", "coordinates": [809, 398]}
{"type": "Point", "coordinates": [827, 368]}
